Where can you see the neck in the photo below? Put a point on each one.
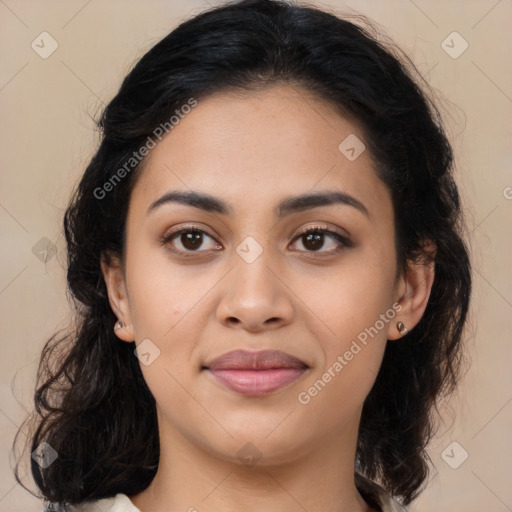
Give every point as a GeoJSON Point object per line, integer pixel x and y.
{"type": "Point", "coordinates": [193, 477]}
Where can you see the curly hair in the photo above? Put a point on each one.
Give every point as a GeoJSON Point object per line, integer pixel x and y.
{"type": "Point", "coordinates": [109, 444]}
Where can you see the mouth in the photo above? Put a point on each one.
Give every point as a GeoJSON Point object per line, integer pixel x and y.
{"type": "Point", "coordinates": [256, 373]}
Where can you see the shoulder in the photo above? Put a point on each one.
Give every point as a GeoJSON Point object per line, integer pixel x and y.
{"type": "Point", "coordinates": [376, 496]}
{"type": "Point", "coordinates": [118, 503]}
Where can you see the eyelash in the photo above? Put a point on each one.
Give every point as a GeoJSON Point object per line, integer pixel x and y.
{"type": "Point", "coordinates": [343, 240]}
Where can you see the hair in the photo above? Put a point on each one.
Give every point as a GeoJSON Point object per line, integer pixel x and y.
{"type": "Point", "coordinates": [92, 404]}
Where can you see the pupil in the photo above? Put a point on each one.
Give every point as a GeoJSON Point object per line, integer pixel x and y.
{"type": "Point", "coordinates": [192, 240]}
{"type": "Point", "coordinates": [316, 239]}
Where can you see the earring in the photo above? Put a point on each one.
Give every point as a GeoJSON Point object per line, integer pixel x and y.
{"type": "Point", "coordinates": [118, 325]}
{"type": "Point", "coordinates": [401, 328]}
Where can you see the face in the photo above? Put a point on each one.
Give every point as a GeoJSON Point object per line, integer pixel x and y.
{"type": "Point", "coordinates": [241, 274]}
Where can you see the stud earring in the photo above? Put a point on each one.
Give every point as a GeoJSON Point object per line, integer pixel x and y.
{"type": "Point", "coordinates": [401, 328]}
{"type": "Point", "coordinates": [118, 325]}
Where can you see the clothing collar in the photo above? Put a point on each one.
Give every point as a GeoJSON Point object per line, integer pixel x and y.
{"type": "Point", "coordinates": [376, 496]}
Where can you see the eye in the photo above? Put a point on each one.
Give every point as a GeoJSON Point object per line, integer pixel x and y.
{"type": "Point", "coordinates": [313, 239]}
{"type": "Point", "coordinates": [191, 239]}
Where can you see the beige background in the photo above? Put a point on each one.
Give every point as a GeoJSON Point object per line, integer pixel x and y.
{"type": "Point", "coordinates": [47, 137]}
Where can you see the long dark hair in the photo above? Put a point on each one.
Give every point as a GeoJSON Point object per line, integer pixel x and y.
{"type": "Point", "coordinates": [92, 404]}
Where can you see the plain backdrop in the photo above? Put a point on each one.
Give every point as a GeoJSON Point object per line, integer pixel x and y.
{"type": "Point", "coordinates": [48, 106]}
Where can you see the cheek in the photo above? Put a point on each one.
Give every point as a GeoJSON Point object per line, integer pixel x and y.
{"type": "Point", "coordinates": [353, 296]}
{"type": "Point", "coordinates": [162, 311]}
{"type": "Point", "coordinates": [355, 309]}
{"type": "Point", "coordinates": [160, 292]}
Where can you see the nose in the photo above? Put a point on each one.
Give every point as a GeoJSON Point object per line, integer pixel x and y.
{"type": "Point", "coordinates": [255, 297]}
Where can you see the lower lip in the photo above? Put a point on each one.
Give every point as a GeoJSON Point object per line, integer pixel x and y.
{"type": "Point", "coordinates": [257, 382]}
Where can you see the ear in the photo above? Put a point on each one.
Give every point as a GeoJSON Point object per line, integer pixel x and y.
{"type": "Point", "coordinates": [413, 291]}
{"type": "Point", "coordinates": [113, 274]}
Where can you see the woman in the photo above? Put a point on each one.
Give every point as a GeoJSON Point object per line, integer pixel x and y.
{"type": "Point", "coordinates": [272, 283]}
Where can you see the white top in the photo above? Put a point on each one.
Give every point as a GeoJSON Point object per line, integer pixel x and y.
{"type": "Point", "coordinates": [373, 493]}
{"type": "Point", "coordinates": [118, 503]}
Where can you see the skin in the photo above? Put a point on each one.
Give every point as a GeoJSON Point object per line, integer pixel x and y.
{"type": "Point", "coordinates": [252, 151]}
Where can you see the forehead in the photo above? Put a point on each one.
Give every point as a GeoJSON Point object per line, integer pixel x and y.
{"type": "Point", "coordinates": [255, 148]}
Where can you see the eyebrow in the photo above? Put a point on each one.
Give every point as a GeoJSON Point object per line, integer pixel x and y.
{"type": "Point", "coordinates": [286, 207]}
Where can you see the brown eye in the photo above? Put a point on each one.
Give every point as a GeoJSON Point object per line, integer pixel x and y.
{"type": "Point", "coordinates": [191, 240]}
{"type": "Point", "coordinates": [314, 239]}
{"type": "Point", "coordinates": [188, 240]}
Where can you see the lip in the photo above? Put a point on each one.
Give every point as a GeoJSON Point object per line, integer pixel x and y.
{"type": "Point", "coordinates": [256, 373]}
{"type": "Point", "coordinates": [255, 360]}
